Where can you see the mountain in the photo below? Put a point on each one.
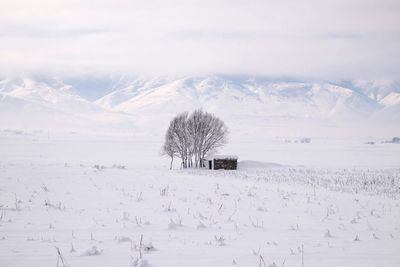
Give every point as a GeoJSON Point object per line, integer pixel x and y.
{"type": "Point", "coordinates": [249, 96]}
{"type": "Point", "coordinates": [28, 103]}
{"type": "Point", "coordinates": [245, 103]}
{"type": "Point", "coordinates": [126, 88]}
{"type": "Point", "coordinates": [55, 94]}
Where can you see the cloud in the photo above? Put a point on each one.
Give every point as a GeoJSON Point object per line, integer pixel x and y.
{"type": "Point", "coordinates": [26, 31]}
{"type": "Point", "coordinates": [307, 38]}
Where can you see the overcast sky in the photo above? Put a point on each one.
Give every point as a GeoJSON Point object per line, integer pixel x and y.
{"type": "Point", "coordinates": [302, 38]}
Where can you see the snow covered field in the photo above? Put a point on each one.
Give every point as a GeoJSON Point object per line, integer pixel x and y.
{"type": "Point", "coordinates": [103, 104]}
{"type": "Point", "coordinates": [328, 203]}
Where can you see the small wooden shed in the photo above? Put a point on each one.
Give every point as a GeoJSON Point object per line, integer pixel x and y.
{"type": "Point", "coordinates": [224, 162]}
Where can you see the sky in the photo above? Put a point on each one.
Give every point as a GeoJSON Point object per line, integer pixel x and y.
{"type": "Point", "coordinates": [295, 38]}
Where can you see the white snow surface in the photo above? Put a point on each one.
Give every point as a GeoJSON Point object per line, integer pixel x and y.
{"type": "Point", "coordinates": [223, 157]}
{"type": "Point", "coordinates": [95, 197]}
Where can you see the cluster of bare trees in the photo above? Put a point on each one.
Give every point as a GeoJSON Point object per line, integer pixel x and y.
{"type": "Point", "coordinates": [192, 137]}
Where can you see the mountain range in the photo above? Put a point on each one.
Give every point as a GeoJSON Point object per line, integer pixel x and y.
{"type": "Point", "coordinates": [147, 104]}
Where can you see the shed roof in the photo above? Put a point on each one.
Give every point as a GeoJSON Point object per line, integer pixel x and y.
{"type": "Point", "coordinates": [223, 157]}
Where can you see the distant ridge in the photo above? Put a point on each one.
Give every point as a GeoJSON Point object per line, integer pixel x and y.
{"type": "Point", "coordinates": [131, 101]}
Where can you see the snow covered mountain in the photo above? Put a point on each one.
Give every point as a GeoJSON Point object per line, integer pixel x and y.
{"type": "Point", "coordinates": [254, 98]}
{"type": "Point", "coordinates": [28, 103]}
{"type": "Point", "coordinates": [253, 102]}
{"type": "Point", "coordinates": [55, 94]}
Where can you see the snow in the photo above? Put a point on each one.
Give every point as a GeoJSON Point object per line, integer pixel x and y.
{"type": "Point", "coordinates": [223, 157]}
{"type": "Point", "coordinates": [254, 164]}
{"type": "Point", "coordinates": [106, 200]}
{"type": "Point", "coordinates": [254, 107]}
{"type": "Point", "coordinates": [82, 182]}
{"type": "Point", "coordinates": [391, 99]}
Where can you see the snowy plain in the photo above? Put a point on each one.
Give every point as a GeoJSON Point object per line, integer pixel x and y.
{"type": "Point", "coordinates": [332, 202]}
{"type": "Point", "coordinates": [82, 182]}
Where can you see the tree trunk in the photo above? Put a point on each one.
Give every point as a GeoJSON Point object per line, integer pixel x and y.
{"type": "Point", "coordinates": [172, 161]}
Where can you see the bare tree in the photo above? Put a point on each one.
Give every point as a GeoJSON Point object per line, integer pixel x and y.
{"type": "Point", "coordinates": [169, 148]}
{"type": "Point", "coordinates": [177, 141]}
{"type": "Point", "coordinates": [195, 125]}
{"type": "Point", "coordinates": [213, 135]}
{"type": "Point", "coordinates": [196, 135]}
